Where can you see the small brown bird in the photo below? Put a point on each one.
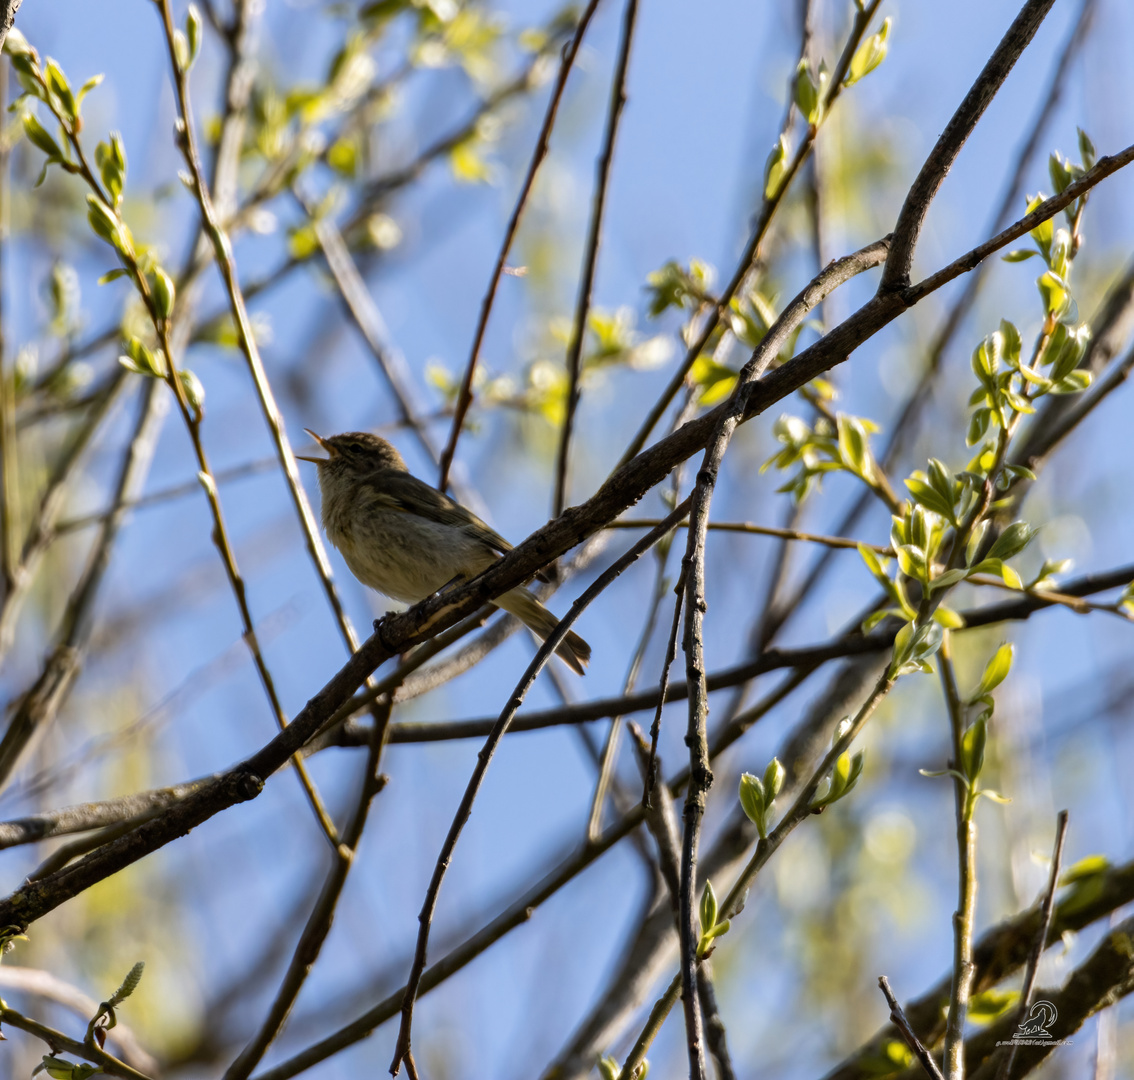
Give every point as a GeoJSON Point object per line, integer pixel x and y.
{"type": "Point", "coordinates": [407, 539]}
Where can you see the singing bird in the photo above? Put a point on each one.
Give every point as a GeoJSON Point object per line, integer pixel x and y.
{"type": "Point", "coordinates": [408, 540]}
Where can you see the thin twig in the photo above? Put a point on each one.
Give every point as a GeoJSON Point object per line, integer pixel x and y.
{"type": "Point", "coordinates": [57, 1041]}
{"type": "Point", "coordinates": [590, 255]}
{"type": "Point", "coordinates": [223, 249]}
{"type": "Point", "coordinates": [898, 1018]}
{"type": "Point", "coordinates": [696, 737]}
{"type": "Point", "coordinates": [605, 579]}
{"type": "Point", "coordinates": [663, 690]}
{"type": "Point", "coordinates": [607, 761]}
{"type": "Point", "coordinates": [661, 820]}
{"type": "Point", "coordinates": [368, 319]}
{"type": "Point", "coordinates": [318, 925]}
{"type": "Point", "coordinates": [39, 534]}
{"type": "Point", "coordinates": [769, 205]}
{"type": "Point", "coordinates": [896, 274]}
{"type": "Point", "coordinates": [464, 394]}
{"type": "Point", "coordinates": [39, 705]}
{"type": "Point", "coordinates": [168, 494]}
{"type": "Point", "coordinates": [226, 263]}
{"type": "Point", "coordinates": [840, 542]}
{"type": "Point", "coordinates": [9, 469]}
{"type": "Point", "coordinates": [1028, 989]}
{"type": "Point", "coordinates": [964, 916]}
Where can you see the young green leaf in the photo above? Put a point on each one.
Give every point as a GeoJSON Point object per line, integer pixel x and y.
{"type": "Point", "coordinates": [38, 135]}
{"type": "Point", "coordinates": [996, 670]}
{"type": "Point", "coordinates": [1012, 541]}
{"type": "Point", "coordinates": [774, 168]}
{"type": "Point", "coordinates": [869, 55]}
{"type": "Point", "coordinates": [972, 748]}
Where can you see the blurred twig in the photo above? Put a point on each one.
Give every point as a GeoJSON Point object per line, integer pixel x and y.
{"type": "Point", "coordinates": [44, 985]}
{"type": "Point", "coordinates": [464, 396]}
{"type": "Point", "coordinates": [57, 1041]}
{"type": "Point", "coordinates": [590, 254]}
{"type": "Point", "coordinates": [770, 202]}
{"type": "Point", "coordinates": [39, 705]}
{"type": "Point", "coordinates": [903, 1025]}
{"type": "Point", "coordinates": [319, 922]}
{"type": "Point", "coordinates": [1032, 967]}
{"type": "Point", "coordinates": [39, 533]}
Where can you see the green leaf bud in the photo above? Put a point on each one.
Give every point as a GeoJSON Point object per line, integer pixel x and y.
{"type": "Point", "coordinates": [58, 85]}
{"type": "Point", "coordinates": [164, 292]}
{"type": "Point", "coordinates": [972, 748]}
{"type": "Point", "coordinates": [752, 801]}
{"type": "Point", "coordinates": [773, 779]}
{"type": "Point", "coordinates": [194, 391]}
{"type": "Point", "coordinates": [708, 908]}
{"type": "Point", "coordinates": [102, 220]}
{"type": "Point", "coordinates": [193, 32]}
{"type": "Point", "coordinates": [1086, 150]}
{"type": "Point", "coordinates": [15, 44]}
{"type": "Point", "coordinates": [808, 94]}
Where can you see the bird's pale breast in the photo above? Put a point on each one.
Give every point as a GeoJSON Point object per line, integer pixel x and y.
{"type": "Point", "coordinates": [405, 556]}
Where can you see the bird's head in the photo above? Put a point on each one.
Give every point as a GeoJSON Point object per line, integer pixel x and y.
{"type": "Point", "coordinates": [357, 452]}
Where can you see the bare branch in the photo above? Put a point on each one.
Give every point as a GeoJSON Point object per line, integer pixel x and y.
{"type": "Point", "coordinates": [464, 395]}
{"type": "Point", "coordinates": [8, 16]}
{"type": "Point", "coordinates": [319, 922]}
{"type": "Point", "coordinates": [590, 254]}
{"type": "Point", "coordinates": [903, 1025]}
{"type": "Point", "coordinates": [768, 207]}
{"type": "Point", "coordinates": [896, 275]}
{"type": "Point", "coordinates": [39, 705]}
{"type": "Point", "coordinates": [1046, 910]}
{"type": "Point", "coordinates": [57, 1041]}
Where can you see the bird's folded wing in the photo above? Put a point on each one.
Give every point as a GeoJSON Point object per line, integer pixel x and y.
{"type": "Point", "coordinates": [405, 493]}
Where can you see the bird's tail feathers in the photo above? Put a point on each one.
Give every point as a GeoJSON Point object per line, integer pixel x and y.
{"type": "Point", "coordinates": [573, 650]}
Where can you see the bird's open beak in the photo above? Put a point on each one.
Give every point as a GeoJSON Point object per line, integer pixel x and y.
{"type": "Point", "coordinates": [324, 444]}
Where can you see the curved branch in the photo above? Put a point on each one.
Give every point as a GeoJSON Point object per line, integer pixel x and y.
{"type": "Point", "coordinates": [912, 217]}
